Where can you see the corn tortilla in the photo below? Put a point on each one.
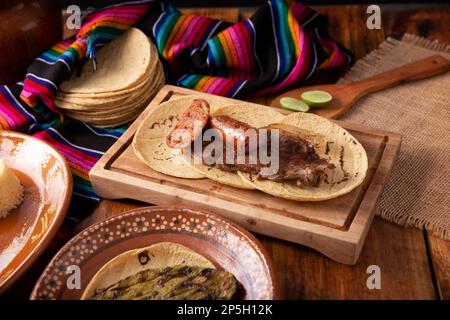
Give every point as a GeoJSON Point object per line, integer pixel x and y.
{"type": "Point", "coordinates": [149, 141]}
{"type": "Point", "coordinates": [121, 64]}
{"type": "Point", "coordinates": [89, 103]}
{"type": "Point", "coordinates": [157, 256]}
{"type": "Point", "coordinates": [340, 148]}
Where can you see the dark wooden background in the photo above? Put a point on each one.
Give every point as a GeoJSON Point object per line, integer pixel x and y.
{"type": "Point", "coordinates": [255, 3]}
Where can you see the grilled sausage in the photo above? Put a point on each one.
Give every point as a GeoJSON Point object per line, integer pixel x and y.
{"type": "Point", "coordinates": [233, 131]}
{"type": "Point", "coordinates": [183, 134]}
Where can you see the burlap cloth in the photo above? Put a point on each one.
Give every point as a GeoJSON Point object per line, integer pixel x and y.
{"type": "Point", "coordinates": [418, 192]}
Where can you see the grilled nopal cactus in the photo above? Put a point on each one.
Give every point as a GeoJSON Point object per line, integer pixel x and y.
{"type": "Point", "coordinates": [172, 283]}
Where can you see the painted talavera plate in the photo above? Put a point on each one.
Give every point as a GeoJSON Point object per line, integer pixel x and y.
{"type": "Point", "coordinates": [47, 182]}
{"type": "Point", "coordinates": [226, 245]}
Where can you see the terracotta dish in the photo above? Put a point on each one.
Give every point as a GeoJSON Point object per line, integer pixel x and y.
{"type": "Point", "coordinates": [228, 246]}
{"type": "Point", "coordinates": [28, 229]}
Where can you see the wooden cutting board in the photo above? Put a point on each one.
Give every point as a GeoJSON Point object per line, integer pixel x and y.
{"type": "Point", "coordinates": [336, 227]}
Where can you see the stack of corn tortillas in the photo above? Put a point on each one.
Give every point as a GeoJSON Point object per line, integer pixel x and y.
{"type": "Point", "coordinates": [331, 141]}
{"type": "Point", "coordinates": [127, 76]}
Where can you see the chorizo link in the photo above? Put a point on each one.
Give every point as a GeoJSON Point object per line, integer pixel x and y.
{"type": "Point", "coordinates": [196, 114]}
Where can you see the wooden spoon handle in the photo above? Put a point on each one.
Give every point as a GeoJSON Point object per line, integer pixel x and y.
{"type": "Point", "coordinates": [417, 70]}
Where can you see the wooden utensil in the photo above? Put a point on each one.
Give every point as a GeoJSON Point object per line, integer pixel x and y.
{"type": "Point", "coordinates": [336, 227]}
{"type": "Point", "coordinates": [346, 94]}
{"type": "Point", "coordinates": [227, 246]}
{"type": "Point", "coordinates": [28, 229]}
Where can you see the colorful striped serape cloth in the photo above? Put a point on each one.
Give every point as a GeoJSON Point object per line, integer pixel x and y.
{"type": "Point", "coordinates": [282, 44]}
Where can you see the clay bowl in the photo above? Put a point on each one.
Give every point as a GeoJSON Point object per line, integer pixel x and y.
{"type": "Point", "coordinates": [28, 229]}
{"type": "Point", "coordinates": [227, 245]}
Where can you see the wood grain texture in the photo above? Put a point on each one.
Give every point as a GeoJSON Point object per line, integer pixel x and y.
{"type": "Point", "coordinates": [347, 24]}
{"type": "Point", "coordinates": [108, 209]}
{"type": "Point", "coordinates": [427, 23]}
{"type": "Point", "coordinates": [400, 253]}
{"type": "Point", "coordinates": [225, 14]}
{"type": "Point", "coordinates": [440, 256]}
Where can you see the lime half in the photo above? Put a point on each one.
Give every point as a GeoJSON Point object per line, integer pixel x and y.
{"type": "Point", "coordinates": [293, 104]}
{"type": "Point", "coordinates": [316, 98]}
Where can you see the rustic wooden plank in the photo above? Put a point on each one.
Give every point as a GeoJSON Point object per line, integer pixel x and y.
{"type": "Point", "coordinates": [431, 23]}
{"type": "Point", "coordinates": [225, 14]}
{"type": "Point", "coordinates": [245, 14]}
{"type": "Point", "coordinates": [67, 33]}
{"type": "Point", "coordinates": [108, 209]}
{"type": "Point", "coordinates": [347, 24]}
{"type": "Point", "coordinates": [440, 256]}
{"type": "Point", "coordinates": [400, 253]}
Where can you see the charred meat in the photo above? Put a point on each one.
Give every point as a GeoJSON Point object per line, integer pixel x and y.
{"type": "Point", "coordinates": [298, 161]}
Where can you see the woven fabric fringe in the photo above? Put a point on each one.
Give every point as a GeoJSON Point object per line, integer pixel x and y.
{"type": "Point", "coordinates": [418, 193]}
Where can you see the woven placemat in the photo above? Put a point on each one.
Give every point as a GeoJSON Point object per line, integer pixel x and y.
{"type": "Point", "coordinates": [418, 192]}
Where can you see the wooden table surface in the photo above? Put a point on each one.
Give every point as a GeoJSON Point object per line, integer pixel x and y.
{"type": "Point", "coordinates": [414, 264]}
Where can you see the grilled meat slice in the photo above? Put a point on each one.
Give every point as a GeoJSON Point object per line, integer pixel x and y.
{"type": "Point", "coordinates": [196, 114]}
{"type": "Point", "coordinates": [173, 283]}
{"type": "Point", "coordinates": [298, 160]}
{"type": "Point", "coordinates": [292, 146]}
